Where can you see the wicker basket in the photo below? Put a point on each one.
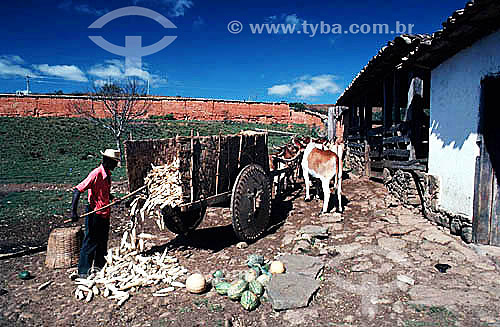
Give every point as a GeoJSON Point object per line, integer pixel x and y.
{"type": "Point", "coordinates": [63, 248]}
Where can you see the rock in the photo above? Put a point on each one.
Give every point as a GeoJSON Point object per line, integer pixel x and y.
{"type": "Point", "coordinates": [337, 226]}
{"type": "Point", "coordinates": [409, 220]}
{"type": "Point", "coordinates": [302, 264]}
{"type": "Point", "coordinates": [363, 266]}
{"type": "Point", "coordinates": [406, 279]}
{"type": "Point", "coordinates": [364, 239]}
{"type": "Point", "coordinates": [485, 265]}
{"type": "Point", "coordinates": [398, 230]}
{"type": "Point", "coordinates": [384, 268]}
{"type": "Point", "coordinates": [390, 243]}
{"type": "Point", "coordinates": [291, 290]}
{"type": "Point", "coordinates": [466, 234]}
{"type": "Point", "coordinates": [314, 231]}
{"type": "Point", "coordinates": [427, 295]}
{"type": "Point", "coordinates": [329, 218]}
{"type": "Point", "coordinates": [300, 317]}
{"type": "Point", "coordinates": [436, 236]}
{"type": "Point", "coordinates": [302, 246]}
{"type": "Point", "coordinates": [397, 307]}
{"type": "Point", "coordinates": [390, 219]}
{"type": "Point", "coordinates": [339, 236]}
{"type": "Point", "coordinates": [349, 319]}
{"type": "Point", "coordinates": [396, 256]}
{"type": "Point", "coordinates": [347, 248]}
{"type": "Point", "coordinates": [288, 239]}
{"type": "Point", "coordinates": [242, 245]}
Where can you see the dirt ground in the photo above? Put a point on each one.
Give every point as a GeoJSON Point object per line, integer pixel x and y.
{"type": "Point", "coordinates": [379, 271]}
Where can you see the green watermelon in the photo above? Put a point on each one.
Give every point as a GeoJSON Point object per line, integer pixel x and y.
{"type": "Point", "coordinates": [218, 274]}
{"type": "Point", "coordinates": [254, 260]}
{"type": "Point", "coordinates": [257, 270]}
{"type": "Point", "coordinates": [263, 279]}
{"type": "Point", "coordinates": [237, 287]}
{"type": "Point", "coordinates": [250, 275]}
{"type": "Point", "coordinates": [256, 288]}
{"type": "Point", "coordinates": [249, 301]}
{"type": "Point", "coordinates": [222, 287]}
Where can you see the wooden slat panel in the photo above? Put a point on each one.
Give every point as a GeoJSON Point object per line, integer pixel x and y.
{"type": "Point", "coordinates": [401, 153]}
{"type": "Point", "coordinates": [418, 165]}
{"type": "Point", "coordinates": [359, 153]}
{"type": "Point", "coordinates": [356, 145]}
{"type": "Point", "coordinates": [396, 139]}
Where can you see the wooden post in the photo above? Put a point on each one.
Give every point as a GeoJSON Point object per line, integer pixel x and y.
{"type": "Point", "coordinates": [332, 122]}
{"type": "Point", "coordinates": [368, 166]}
{"type": "Point", "coordinates": [239, 152]}
{"type": "Point", "coordinates": [362, 118]}
{"type": "Point", "coordinates": [218, 169]}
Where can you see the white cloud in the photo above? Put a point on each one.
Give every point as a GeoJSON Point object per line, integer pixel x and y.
{"type": "Point", "coordinates": [67, 72]}
{"type": "Point", "coordinates": [115, 70]}
{"type": "Point", "coordinates": [281, 89]}
{"type": "Point", "coordinates": [307, 86]}
{"type": "Point", "coordinates": [12, 66]}
{"type": "Point", "coordinates": [82, 8]}
{"type": "Point", "coordinates": [176, 7]}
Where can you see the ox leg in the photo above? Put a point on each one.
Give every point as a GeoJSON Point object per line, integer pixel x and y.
{"type": "Point", "coordinates": [339, 193]}
{"type": "Point", "coordinates": [326, 194]}
{"type": "Point", "coordinates": [307, 183]}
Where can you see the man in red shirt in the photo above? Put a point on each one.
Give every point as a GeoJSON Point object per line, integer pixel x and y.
{"type": "Point", "coordinates": [98, 184]}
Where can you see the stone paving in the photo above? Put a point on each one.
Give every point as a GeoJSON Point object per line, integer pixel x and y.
{"type": "Point", "coordinates": [385, 253]}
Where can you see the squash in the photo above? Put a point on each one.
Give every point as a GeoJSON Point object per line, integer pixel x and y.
{"type": "Point", "coordinates": [277, 267]}
{"type": "Point", "coordinates": [196, 283]}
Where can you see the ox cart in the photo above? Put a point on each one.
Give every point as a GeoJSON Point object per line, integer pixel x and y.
{"type": "Point", "coordinates": [215, 170]}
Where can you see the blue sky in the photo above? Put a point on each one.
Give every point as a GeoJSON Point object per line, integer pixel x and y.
{"type": "Point", "coordinates": [49, 40]}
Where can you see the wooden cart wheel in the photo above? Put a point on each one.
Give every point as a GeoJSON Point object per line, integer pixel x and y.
{"type": "Point", "coordinates": [183, 222]}
{"type": "Point", "coordinates": [251, 203]}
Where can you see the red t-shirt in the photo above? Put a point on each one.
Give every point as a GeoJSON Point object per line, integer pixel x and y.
{"type": "Point", "coordinates": [98, 182]}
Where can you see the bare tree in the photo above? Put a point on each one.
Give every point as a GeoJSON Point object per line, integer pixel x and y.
{"type": "Point", "coordinates": [113, 107]}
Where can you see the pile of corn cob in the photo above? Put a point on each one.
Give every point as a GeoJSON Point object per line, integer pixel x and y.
{"type": "Point", "coordinates": [164, 189]}
{"type": "Point", "coordinates": [127, 270]}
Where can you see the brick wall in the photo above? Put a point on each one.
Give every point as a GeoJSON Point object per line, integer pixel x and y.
{"type": "Point", "coordinates": [181, 108]}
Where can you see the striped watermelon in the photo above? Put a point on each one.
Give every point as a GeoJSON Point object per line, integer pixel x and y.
{"type": "Point", "coordinates": [222, 287]}
{"type": "Point", "coordinates": [256, 288]}
{"type": "Point", "coordinates": [249, 301]}
{"type": "Point", "coordinates": [237, 287]}
{"type": "Point", "coordinates": [250, 275]}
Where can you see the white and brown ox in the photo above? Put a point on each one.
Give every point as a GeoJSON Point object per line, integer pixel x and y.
{"type": "Point", "coordinates": [324, 163]}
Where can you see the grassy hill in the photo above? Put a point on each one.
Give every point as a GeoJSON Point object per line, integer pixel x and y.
{"type": "Point", "coordinates": [64, 150]}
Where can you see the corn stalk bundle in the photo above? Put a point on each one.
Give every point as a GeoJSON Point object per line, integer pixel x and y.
{"type": "Point", "coordinates": [164, 185]}
{"type": "Point", "coordinates": [127, 270]}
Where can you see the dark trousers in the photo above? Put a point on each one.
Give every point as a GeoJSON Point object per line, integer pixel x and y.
{"type": "Point", "coordinates": [95, 243]}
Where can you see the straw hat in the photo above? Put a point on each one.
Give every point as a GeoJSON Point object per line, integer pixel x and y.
{"type": "Point", "coordinates": [112, 153]}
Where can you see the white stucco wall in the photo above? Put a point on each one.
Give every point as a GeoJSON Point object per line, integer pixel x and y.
{"type": "Point", "coordinates": [455, 93]}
